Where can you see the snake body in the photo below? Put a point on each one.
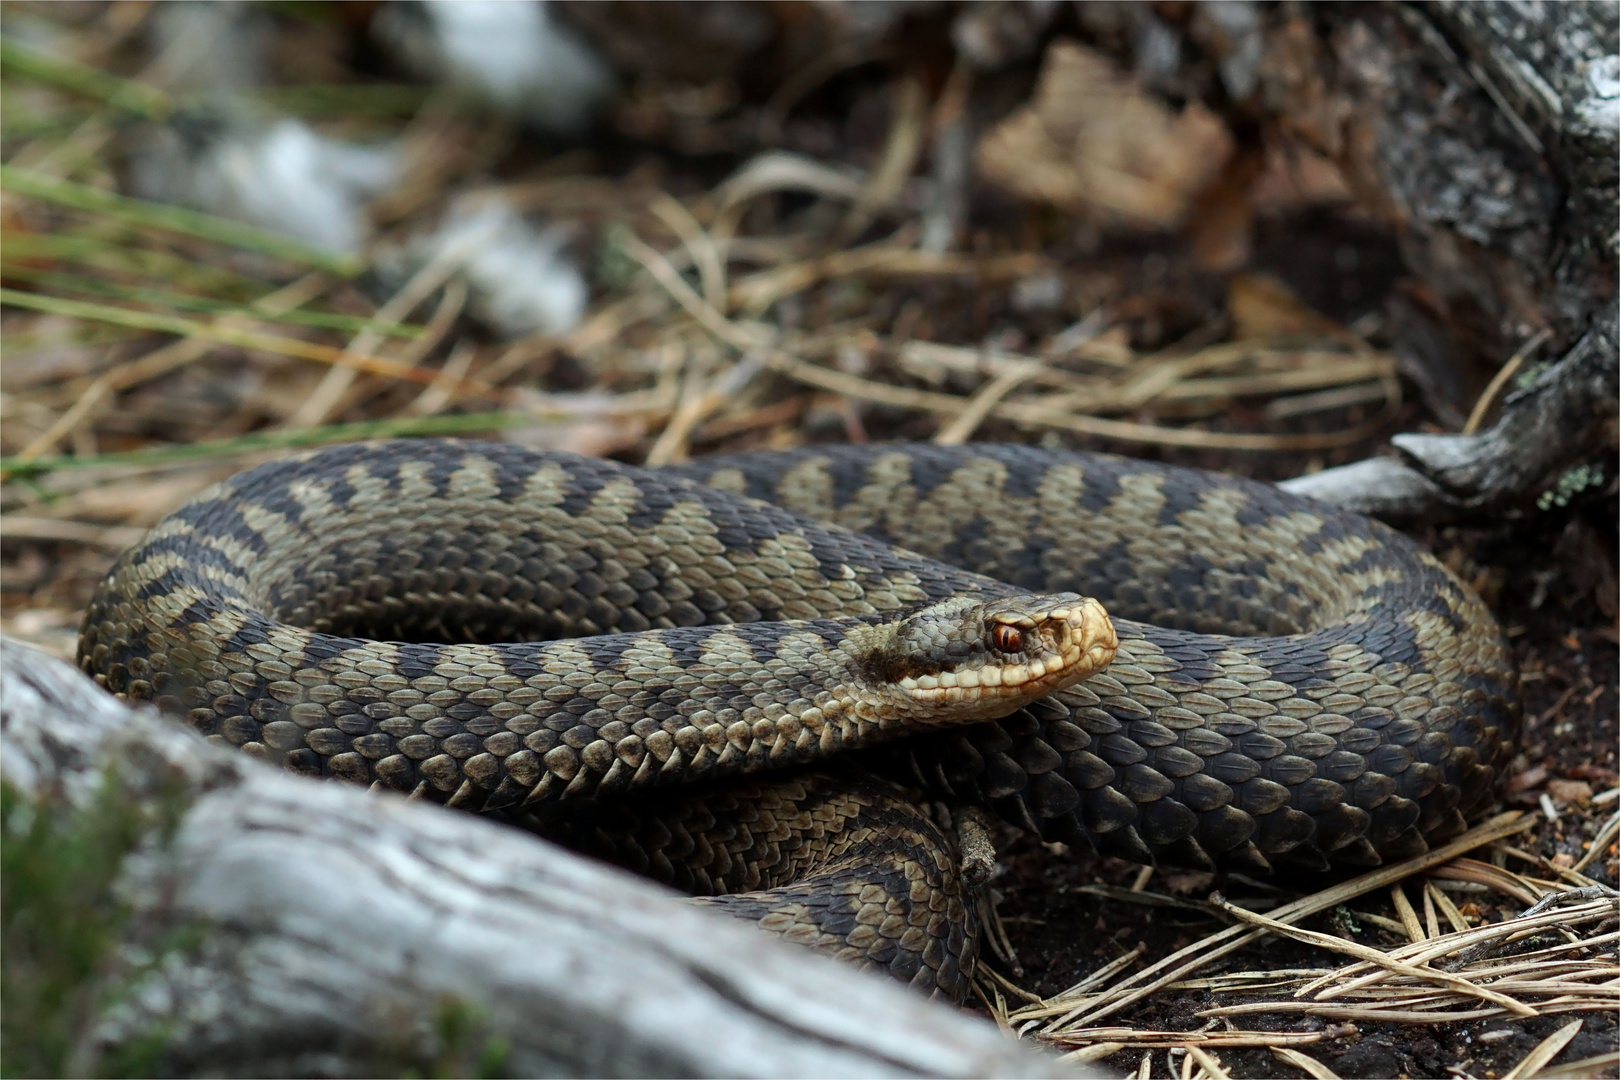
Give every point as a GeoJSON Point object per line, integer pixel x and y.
{"type": "Point", "coordinates": [593, 648]}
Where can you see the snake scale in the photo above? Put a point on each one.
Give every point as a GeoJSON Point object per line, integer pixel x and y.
{"type": "Point", "coordinates": [749, 676]}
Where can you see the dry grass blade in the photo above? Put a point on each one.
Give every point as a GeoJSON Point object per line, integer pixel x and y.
{"type": "Point", "coordinates": [1102, 974]}
{"type": "Point", "coordinates": [1493, 877]}
{"type": "Point", "coordinates": [706, 255]}
{"type": "Point", "coordinates": [1409, 919]}
{"type": "Point", "coordinates": [166, 359]}
{"type": "Point", "coordinates": [1443, 904]}
{"type": "Point", "coordinates": [1004, 983]}
{"type": "Point", "coordinates": [1374, 956]}
{"type": "Point", "coordinates": [1542, 1055]}
{"type": "Point", "coordinates": [896, 161]}
{"type": "Point", "coordinates": [229, 335]}
{"type": "Point", "coordinates": [754, 294]}
{"type": "Point", "coordinates": [1209, 1063]}
{"type": "Point", "coordinates": [1601, 1065]}
{"type": "Point", "coordinates": [960, 429]}
{"type": "Point", "coordinates": [699, 399]}
{"type": "Point", "coordinates": [1577, 975]}
{"type": "Point", "coordinates": [933, 362]}
{"type": "Point", "coordinates": [1147, 1038]}
{"type": "Point", "coordinates": [1488, 396]}
{"type": "Point", "coordinates": [1466, 942]}
{"type": "Point", "coordinates": [111, 537]}
{"type": "Point", "coordinates": [318, 408]}
{"type": "Point", "coordinates": [1098, 1051]}
{"type": "Point", "coordinates": [1200, 954]}
{"type": "Point", "coordinates": [1344, 397]}
{"type": "Point", "coordinates": [1600, 843]}
{"type": "Point", "coordinates": [1305, 1063]}
{"type": "Point", "coordinates": [1034, 415]}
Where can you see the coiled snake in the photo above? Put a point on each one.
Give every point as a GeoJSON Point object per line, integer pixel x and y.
{"type": "Point", "coordinates": [1301, 687]}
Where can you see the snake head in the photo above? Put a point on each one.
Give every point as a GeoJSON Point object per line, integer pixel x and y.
{"type": "Point", "coordinates": [965, 657]}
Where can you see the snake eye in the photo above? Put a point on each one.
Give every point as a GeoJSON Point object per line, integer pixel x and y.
{"type": "Point", "coordinates": [1006, 638]}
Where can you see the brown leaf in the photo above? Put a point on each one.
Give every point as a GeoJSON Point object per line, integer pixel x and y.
{"type": "Point", "coordinates": [1296, 176]}
{"type": "Point", "coordinates": [1263, 307]}
{"type": "Point", "coordinates": [1569, 792]}
{"type": "Point", "coordinates": [1093, 141]}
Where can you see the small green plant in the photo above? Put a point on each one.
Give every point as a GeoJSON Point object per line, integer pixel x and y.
{"type": "Point", "coordinates": [465, 1046]}
{"type": "Point", "coordinates": [1569, 485]}
{"type": "Point", "coordinates": [1524, 379]}
{"type": "Point", "coordinates": [62, 925]}
{"type": "Point", "coordinates": [455, 1041]}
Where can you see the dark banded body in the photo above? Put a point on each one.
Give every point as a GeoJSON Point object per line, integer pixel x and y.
{"type": "Point", "coordinates": [1295, 685]}
{"type": "Point", "coordinates": [1299, 686]}
{"type": "Point", "coordinates": [836, 860]}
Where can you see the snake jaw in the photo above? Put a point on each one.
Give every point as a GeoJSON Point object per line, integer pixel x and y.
{"type": "Point", "coordinates": [1027, 647]}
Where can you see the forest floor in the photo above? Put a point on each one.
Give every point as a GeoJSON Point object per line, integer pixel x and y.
{"type": "Point", "coordinates": [127, 390]}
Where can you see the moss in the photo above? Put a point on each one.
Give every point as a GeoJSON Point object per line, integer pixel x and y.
{"type": "Point", "coordinates": [62, 926]}
{"type": "Point", "coordinates": [1569, 485]}
{"type": "Point", "coordinates": [71, 950]}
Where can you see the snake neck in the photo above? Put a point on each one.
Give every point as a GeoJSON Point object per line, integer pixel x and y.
{"type": "Point", "coordinates": [581, 717]}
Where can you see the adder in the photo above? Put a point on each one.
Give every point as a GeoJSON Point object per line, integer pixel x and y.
{"type": "Point", "coordinates": [751, 676]}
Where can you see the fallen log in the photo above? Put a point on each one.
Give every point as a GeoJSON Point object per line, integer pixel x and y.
{"type": "Point", "coordinates": [1562, 419]}
{"type": "Point", "coordinates": [327, 930]}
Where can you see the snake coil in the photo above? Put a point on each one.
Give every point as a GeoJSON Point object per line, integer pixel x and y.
{"type": "Point", "coordinates": [591, 649]}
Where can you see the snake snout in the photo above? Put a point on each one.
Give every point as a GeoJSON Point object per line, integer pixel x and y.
{"type": "Point", "coordinates": [1076, 640]}
{"type": "Point", "coordinates": [1087, 634]}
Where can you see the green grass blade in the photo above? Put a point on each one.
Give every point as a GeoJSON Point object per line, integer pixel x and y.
{"type": "Point", "coordinates": [173, 219]}
{"type": "Point", "coordinates": [100, 252]}
{"type": "Point", "coordinates": [183, 302]}
{"type": "Point", "coordinates": [147, 101]}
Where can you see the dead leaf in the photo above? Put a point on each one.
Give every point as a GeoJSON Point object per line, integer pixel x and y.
{"type": "Point", "coordinates": [1219, 229]}
{"type": "Point", "coordinates": [1093, 141]}
{"type": "Point", "coordinates": [1296, 176]}
{"type": "Point", "coordinates": [1532, 777]}
{"type": "Point", "coordinates": [1569, 792]}
{"type": "Point", "coordinates": [1264, 308]}
{"type": "Point", "coordinates": [1294, 83]}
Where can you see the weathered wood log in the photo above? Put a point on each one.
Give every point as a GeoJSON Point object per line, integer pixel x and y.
{"type": "Point", "coordinates": [1565, 417]}
{"type": "Point", "coordinates": [1556, 68]}
{"type": "Point", "coordinates": [333, 927]}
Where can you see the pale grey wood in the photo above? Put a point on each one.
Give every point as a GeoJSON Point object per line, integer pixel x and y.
{"type": "Point", "coordinates": [338, 922]}
{"type": "Point", "coordinates": [1566, 416]}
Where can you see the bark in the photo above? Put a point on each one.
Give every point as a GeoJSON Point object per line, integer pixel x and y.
{"type": "Point", "coordinates": [1486, 133]}
{"type": "Point", "coordinates": [1556, 68]}
{"type": "Point", "coordinates": [332, 927]}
